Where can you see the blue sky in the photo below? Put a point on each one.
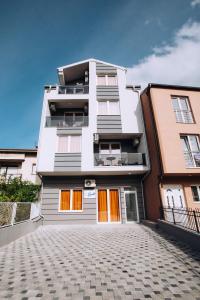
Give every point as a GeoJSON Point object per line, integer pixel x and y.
{"type": "Point", "coordinates": [36, 37]}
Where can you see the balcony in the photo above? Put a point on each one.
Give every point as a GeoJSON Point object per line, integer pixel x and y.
{"type": "Point", "coordinates": [73, 89]}
{"type": "Point", "coordinates": [65, 121]}
{"type": "Point", "coordinates": [192, 159]}
{"type": "Point", "coordinates": [123, 159]}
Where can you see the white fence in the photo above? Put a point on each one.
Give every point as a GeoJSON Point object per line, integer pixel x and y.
{"type": "Point", "coordinates": [14, 212]}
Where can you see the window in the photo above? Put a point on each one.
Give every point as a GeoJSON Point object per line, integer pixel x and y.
{"type": "Point", "coordinates": [110, 148]}
{"type": "Point", "coordinates": [34, 169]}
{"type": "Point", "coordinates": [196, 193]}
{"type": "Point", "coordinates": [107, 80]}
{"type": "Point", "coordinates": [182, 110]}
{"type": "Point", "coordinates": [69, 144]}
{"type": "Point", "coordinates": [191, 150]}
{"type": "Point", "coordinates": [108, 107]}
{"type": "Point", "coordinates": [71, 200]}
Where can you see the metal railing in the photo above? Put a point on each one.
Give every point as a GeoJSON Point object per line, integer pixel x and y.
{"type": "Point", "coordinates": [184, 116]}
{"type": "Point", "coordinates": [63, 121]}
{"type": "Point", "coordinates": [184, 217]}
{"type": "Point", "coordinates": [123, 159]}
{"type": "Point", "coordinates": [73, 89]}
{"type": "Point", "coordinates": [192, 159]}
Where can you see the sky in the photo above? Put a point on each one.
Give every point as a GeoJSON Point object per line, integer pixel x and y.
{"type": "Point", "coordinates": [158, 41]}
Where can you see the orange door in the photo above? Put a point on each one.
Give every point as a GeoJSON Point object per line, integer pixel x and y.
{"type": "Point", "coordinates": [102, 206]}
{"type": "Point", "coordinates": [114, 206]}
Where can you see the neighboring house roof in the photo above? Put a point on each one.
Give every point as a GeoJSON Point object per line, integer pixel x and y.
{"type": "Point", "coordinates": [15, 150]}
{"type": "Point", "coordinates": [88, 60]}
{"type": "Point", "coordinates": [172, 86]}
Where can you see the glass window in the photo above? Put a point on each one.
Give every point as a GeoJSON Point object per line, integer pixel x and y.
{"type": "Point", "coordinates": [101, 80]}
{"type": "Point", "coordinates": [33, 169]}
{"type": "Point", "coordinates": [115, 148]}
{"type": "Point", "coordinates": [104, 148]}
{"type": "Point", "coordinates": [196, 193]}
{"type": "Point", "coordinates": [102, 109]}
{"type": "Point", "coordinates": [71, 200]}
{"type": "Point", "coordinates": [191, 150]}
{"type": "Point", "coordinates": [114, 108]}
{"type": "Point", "coordinates": [69, 143]}
{"type": "Point", "coordinates": [112, 80]}
{"type": "Point", "coordinates": [75, 145]}
{"type": "Point", "coordinates": [63, 144]}
{"type": "Point", "coordinates": [182, 110]}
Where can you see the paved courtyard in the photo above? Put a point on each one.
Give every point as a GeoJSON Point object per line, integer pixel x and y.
{"type": "Point", "coordinates": [98, 262]}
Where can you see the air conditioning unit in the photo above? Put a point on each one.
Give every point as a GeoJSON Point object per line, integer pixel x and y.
{"type": "Point", "coordinates": [90, 183]}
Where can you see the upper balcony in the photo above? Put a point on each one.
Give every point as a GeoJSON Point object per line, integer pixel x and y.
{"type": "Point", "coordinates": [64, 114]}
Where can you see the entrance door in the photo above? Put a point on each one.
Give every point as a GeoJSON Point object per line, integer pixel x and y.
{"type": "Point", "coordinates": [108, 206]}
{"type": "Point", "coordinates": [132, 214]}
{"type": "Point", "coordinates": [174, 196]}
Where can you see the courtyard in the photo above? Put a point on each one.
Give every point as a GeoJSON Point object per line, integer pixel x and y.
{"type": "Point", "coordinates": [98, 262]}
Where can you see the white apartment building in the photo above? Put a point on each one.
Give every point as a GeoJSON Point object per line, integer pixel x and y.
{"type": "Point", "coordinates": [92, 152]}
{"type": "Point", "coordinates": [19, 163]}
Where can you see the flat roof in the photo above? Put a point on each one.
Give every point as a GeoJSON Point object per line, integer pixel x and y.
{"type": "Point", "coordinates": [173, 86]}
{"type": "Point", "coordinates": [17, 150]}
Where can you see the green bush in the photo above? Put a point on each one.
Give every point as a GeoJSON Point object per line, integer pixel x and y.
{"type": "Point", "coordinates": [18, 190]}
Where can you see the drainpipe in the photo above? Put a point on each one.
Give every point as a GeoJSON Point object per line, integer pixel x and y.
{"type": "Point", "coordinates": [137, 89]}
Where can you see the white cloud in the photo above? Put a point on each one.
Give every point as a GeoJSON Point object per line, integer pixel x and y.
{"type": "Point", "coordinates": [176, 63]}
{"type": "Point", "coordinates": [195, 3]}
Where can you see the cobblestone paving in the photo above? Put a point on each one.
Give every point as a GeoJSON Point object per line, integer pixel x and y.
{"type": "Point", "coordinates": [98, 262]}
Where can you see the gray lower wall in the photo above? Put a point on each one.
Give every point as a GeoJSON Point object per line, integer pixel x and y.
{"type": "Point", "coordinates": [109, 124]}
{"type": "Point", "coordinates": [53, 184]}
{"type": "Point", "coordinates": [67, 162]}
{"type": "Point", "coordinates": [10, 233]}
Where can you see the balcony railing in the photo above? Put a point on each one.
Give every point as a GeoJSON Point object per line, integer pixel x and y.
{"type": "Point", "coordinates": [192, 159]}
{"type": "Point", "coordinates": [62, 121]}
{"type": "Point", "coordinates": [184, 116]}
{"type": "Point", "coordinates": [123, 159]}
{"type": "Point", "coordinates": [73, 89]}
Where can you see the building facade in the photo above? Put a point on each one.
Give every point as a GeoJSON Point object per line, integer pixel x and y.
{"type": "Point", "coordinates": [92, 152]}
{"type": "Point", "coordinates": [172, 120]}
{"type": "Point", "coordinates": [19, 163]}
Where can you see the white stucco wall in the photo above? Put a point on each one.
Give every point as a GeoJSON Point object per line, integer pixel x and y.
{"type": "Point", "coordinates": [26, 168]}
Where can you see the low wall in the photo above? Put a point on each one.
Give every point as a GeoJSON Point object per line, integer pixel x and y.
{"type": "Point", "coordinates": [10, 233]}
{"type": "Point", "coordinates": [187, 236]}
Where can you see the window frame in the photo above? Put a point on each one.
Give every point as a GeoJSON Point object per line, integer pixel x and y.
{"type": "Point", "coordinates": [190, 150]}
{"type": "Point", "coordinates": [71, 200]}
{"type": "Point", "coordinates": [110, 148]}
{"type": "Point", "coordinates": [106, 79]}
{"type": "Point", "coordinates": [69, 139]}
{"type": "Point", "coordinates": [186, 98]}
{"type": "Point", "coordinates": [198, 191]}
{"type": "Point", "coordinates": [108, 112]}
{"type": "Point", "coordinates": [32, 170]}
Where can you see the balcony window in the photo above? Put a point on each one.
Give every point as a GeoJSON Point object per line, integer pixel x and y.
{"type": "Point", "coordinates": [191, 150]}
{"type": "Point", "coordinates": [108, 107]}
{"type": "Point", "coordinates": [69, 144]}
{"type": "Point", "coordinates": [110, 80]}
{"type": "Point", "coordinates": [182, 110]}
{"type": "Point", "coordinates": [196, 193]}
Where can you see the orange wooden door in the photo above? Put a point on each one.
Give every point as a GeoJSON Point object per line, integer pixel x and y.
{"type": "Point", "coordinates": [102, 206]}
{"type": "Point", "coordinates": [114, 206]}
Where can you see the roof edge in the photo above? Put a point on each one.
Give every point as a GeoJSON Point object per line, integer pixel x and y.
{"type": "Point", "coordinates": [172, 86]}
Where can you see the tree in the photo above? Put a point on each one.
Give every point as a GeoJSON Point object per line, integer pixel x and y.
{"type": "Point", "coordinates": [18, 190]}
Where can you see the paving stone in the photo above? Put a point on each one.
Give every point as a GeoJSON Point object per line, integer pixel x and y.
{"type": "Point", "coordinates": [91, 262]}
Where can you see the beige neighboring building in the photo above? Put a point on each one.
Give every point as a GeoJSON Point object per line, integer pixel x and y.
{"type": "Point", "coordinates": [172, 121]}
{"type": "Point", "coordinates": [19, 163]}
